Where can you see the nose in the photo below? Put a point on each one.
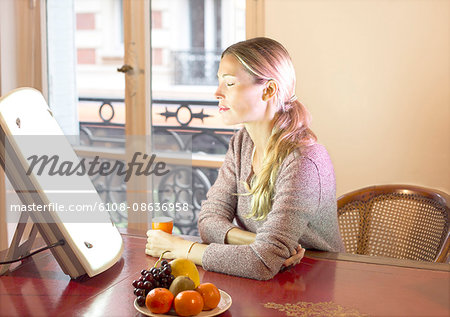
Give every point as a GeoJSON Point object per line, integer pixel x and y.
{"type": "Point", "coordinates": [218, 94]}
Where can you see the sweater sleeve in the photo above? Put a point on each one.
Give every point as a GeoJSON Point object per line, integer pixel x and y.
{"type": "Point", "coordinates": [218, 210]}
{"type": "Point", "coordinates": [296, 198]}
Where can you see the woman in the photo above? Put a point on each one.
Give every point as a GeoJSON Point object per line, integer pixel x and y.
{"type": "Point", "coordinates": [276, 181]}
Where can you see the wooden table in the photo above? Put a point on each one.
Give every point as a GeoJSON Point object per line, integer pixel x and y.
{"type": "Point", "coordinates": [328, 284]}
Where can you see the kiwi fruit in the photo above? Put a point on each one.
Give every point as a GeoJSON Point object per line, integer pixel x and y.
{"type": "Point", "coordinates": [181, 283]}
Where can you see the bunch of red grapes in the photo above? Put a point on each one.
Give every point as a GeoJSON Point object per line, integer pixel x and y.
{"type": "Point", "coordinates": [153, 278]}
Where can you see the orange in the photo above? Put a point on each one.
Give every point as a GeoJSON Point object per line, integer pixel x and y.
{"type": "Point", "coordinates": [210, 294]}
{"type": "Point", "coordinates": [159, 300]}
{"type": "Point", "coordinates": [188, 303]}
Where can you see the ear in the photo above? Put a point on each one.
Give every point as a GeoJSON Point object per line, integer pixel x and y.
{"type": "Point", "coordinates": [271, 90]}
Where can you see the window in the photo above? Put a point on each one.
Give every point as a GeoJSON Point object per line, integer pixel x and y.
{"type": "Point", "coordinates": [87, 93]}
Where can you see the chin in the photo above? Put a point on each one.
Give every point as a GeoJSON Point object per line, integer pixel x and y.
{"type": "Point", "coordinates": [229, 121]}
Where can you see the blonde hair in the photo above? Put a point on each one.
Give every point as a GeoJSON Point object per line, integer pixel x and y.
{"type": "Point", "coordinates": [266, 59]}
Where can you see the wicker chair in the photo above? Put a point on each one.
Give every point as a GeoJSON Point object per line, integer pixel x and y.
{"type": "Point", "coordinates": [399, 221]}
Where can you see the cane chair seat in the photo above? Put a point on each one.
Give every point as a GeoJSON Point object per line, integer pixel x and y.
{"type": "Point", "coordinates": [398, 221]}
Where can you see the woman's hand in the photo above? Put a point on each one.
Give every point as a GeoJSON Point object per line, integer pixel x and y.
{"type": "Point", "coordinates": [159, 241]}
{"type": "Point", "coordinates": [294, 259]}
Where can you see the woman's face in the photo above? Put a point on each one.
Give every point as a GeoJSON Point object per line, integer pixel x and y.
{"type": "Point", "coordinates": [240, 98]}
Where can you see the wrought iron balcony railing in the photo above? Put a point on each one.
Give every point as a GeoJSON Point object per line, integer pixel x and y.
{"type": "Point", "coordinates": [181, 136]}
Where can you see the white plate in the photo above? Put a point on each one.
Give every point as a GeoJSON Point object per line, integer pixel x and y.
{"type": "Point", "coordinates": [224, 304]}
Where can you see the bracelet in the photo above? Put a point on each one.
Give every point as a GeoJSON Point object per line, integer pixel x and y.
{"type": "Point", "coordinates": [190, 248]}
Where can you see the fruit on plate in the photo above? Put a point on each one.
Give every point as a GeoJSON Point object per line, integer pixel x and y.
{"type": "Point", "coordinates": [159, 300]}
{"type": "Point", "coordinates": [185, 267]}
{"type": "Point", "coordinates": [151, 279]}
{"type": "Point", "coordinates": [188, 303]}
{"type": "Point", "coordinates": [181, 283]}
{"type": "Point", "coordinates": [210, 294]}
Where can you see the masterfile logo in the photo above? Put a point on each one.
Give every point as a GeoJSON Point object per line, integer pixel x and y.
{"type": "Point", "coordinates": [96, 167]}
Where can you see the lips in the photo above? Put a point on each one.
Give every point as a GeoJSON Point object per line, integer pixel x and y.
{"type": "Point", "coordinates": [223, 108]}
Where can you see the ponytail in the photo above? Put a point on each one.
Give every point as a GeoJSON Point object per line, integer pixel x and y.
{"type": "Point", "coordinates": [290, 132]}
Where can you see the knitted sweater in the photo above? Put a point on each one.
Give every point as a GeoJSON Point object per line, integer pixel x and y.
{"type": "Point", "coordinates": [303, 211]}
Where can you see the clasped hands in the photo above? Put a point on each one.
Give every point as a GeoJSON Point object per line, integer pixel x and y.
{"type": "Point", "coordinates": [159, 241]}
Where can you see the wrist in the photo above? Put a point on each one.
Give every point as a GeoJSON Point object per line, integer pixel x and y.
{"type": "Point", "coordinates": [182, 247]}
{"type": "Point", "coordinates": [191, 245]}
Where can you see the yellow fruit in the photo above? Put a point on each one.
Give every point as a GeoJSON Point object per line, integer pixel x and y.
{"type": "Point", "coordinates": [185, 267]}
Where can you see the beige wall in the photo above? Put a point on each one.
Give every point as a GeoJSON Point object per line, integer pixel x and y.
{"type": "Point", "coordinates": [7, 76]}
{"type": "Point", "coordinates": [376, 77]}
{"type": "Point", "coordinates": [21, 64]}
{"type": "Point", "coordinates": [8, 61]}
{"type": "Point", "coordinates": [22, 61]}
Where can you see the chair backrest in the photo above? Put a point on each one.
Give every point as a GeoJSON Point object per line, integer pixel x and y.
{"type": "Point", "coordinates": [399, 221]}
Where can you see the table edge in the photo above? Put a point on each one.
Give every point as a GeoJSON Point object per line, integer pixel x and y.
{"type": "Point", "coordinates": [379, 260]}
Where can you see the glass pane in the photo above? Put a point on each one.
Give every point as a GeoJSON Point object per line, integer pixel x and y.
{"type": "Point", "coordinates": [100, 87]}
{"type": "Point", "coordinates": [185, 60]}
{"type": "Point", "coordinates": [85, 48]}
{"type": "Point", "coordinates": [186, 55]}
{"type": "Point", "coordinates": [86, 93]}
